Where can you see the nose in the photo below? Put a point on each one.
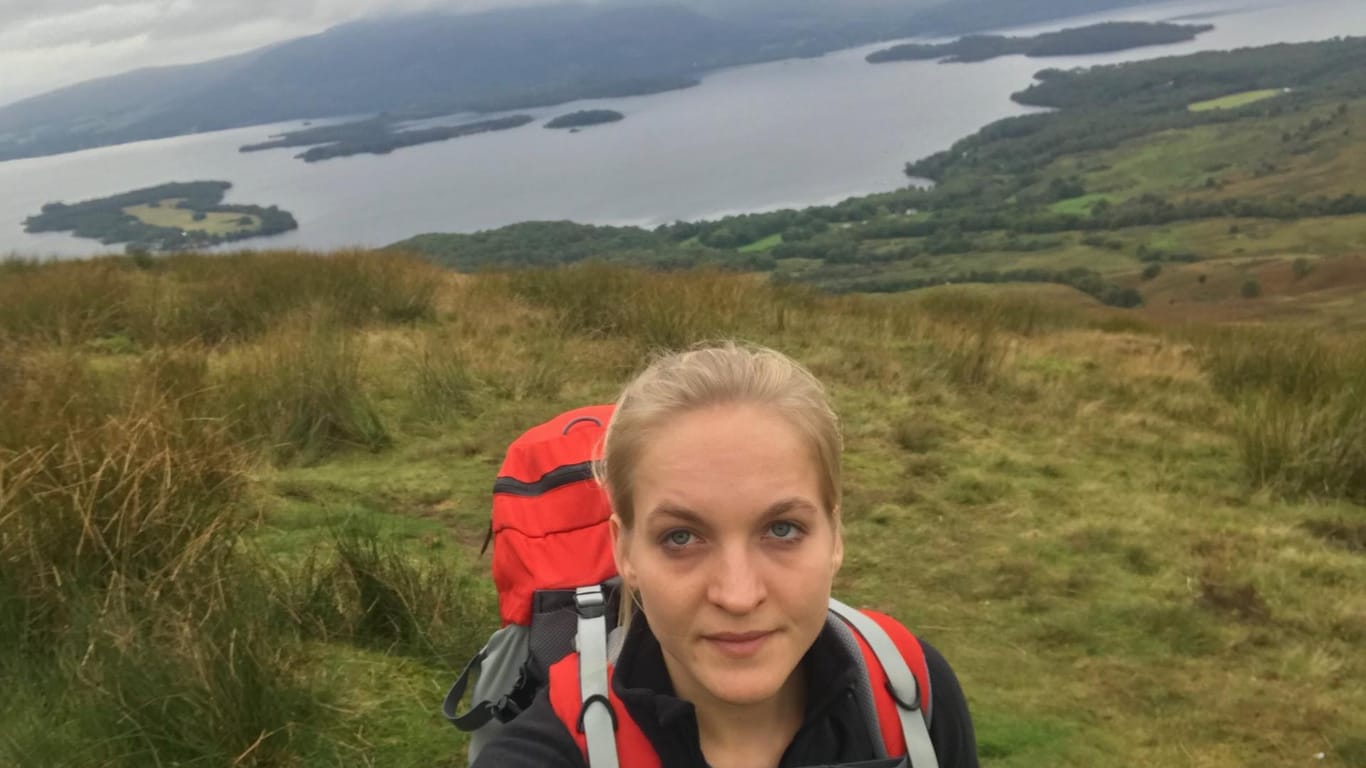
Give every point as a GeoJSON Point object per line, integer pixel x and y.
{"type": "Point", "coordinates": [737, 584]}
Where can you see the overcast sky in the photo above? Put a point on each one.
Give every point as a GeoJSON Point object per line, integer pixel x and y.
{"type": "Point", "coordinates": [45, 44]}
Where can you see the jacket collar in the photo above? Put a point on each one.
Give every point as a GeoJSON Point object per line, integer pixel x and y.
{"type": "Point", "coordinates": [641, 680]}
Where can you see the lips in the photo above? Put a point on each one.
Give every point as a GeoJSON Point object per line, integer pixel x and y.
{"type": "Point", "coordinates": [738, 644]}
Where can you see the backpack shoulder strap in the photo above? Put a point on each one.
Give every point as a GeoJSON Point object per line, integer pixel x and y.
{"type": "Point", "coordinates": [632, 748]}
{"type": "Point", "coordinates": [900, 681]}
{"type": "Point", "coordinates": [582, 697]}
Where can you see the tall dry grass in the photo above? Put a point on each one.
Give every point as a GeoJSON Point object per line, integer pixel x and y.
{"type": "Point", "coordinates": [442, 383]}
{"type": "Point", "coordinates": [124, 605]}
{"type": "Point", "coordinates": [363, 590]}
{"type": "Point", "coordinates": [657, 311]}
{"type": "Point", "coordinates": [1011, 312]}
{"type": "Point", "coordinates": [1300, 405]}
{"type": "Point", "coordinates": [210, 299]}
{"type": "Point", "coordinates": [299, 393]}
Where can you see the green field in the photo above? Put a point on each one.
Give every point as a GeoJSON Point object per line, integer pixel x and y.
{"type": "Point", "coordinates": [758, 246]}
{"type": "Point", "coordinates": [1248, 158]}
{"type": "Point", "coordinates": [166, 214]}
{"type": "Point", "coordinates": [1078, 205]}
{"type": "Point", "coordinates": [1233, 101]}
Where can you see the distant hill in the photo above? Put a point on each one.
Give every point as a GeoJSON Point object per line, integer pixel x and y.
{"type": "Point", "coordinates": [499, 60]}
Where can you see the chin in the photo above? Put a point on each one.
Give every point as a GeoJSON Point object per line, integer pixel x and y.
{"type": "Point", "coordinates": [746, 687]}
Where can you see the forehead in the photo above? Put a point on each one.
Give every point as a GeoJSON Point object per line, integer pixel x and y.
{"type": "Point", "coordinates": [734, 458]}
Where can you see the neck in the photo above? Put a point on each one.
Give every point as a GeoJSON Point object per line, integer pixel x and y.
{"type": "Point", "coordinates": [751, 734]}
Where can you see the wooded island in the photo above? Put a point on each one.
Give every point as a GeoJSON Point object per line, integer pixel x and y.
{"type": "Point", "coordinates": [167, 217]}
{"type": "Point", "coordinates": [586, 117]}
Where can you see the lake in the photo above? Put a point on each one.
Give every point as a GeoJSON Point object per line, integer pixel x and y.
{"type": "Point", "coordinates": [784, 134]}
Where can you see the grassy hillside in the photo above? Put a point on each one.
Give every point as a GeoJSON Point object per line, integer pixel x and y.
{"type": "Point", "coordinates": [242, 496]}
{"type": "Point", "coordinates": [241, 501]}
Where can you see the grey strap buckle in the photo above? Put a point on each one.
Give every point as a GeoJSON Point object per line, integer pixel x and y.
{"type": "Point", "coordinates": [596, 718]}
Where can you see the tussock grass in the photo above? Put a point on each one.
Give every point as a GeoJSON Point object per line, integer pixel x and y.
{"type": "Point", "coordinates": [360, 589]}
{"type": "Point", "coordinates": [1285, 363]}
{"type": "Point", "coordinates": [601, 300]}
{"type": "Point", "coordinates": [1012, 312]}
{"type": "Point", "coordinates": [442, 381]}
{"type": "Point", "coordinates": [66, 302]}
{"type": "Point", "coordinates": [918, 434]}
{"type": "Point", "coordinates": [973, 356]}
{"type": "Point", "coordinates": [137, 498]}
{"type": "Point", "coordinates": [1315, 447]}
{"type": "Point", "coordinates": [124, 605]}
{"type": "Point", "coordinates": [209, 298]}
{"type": "Point", "coordinates": [1301, 408]}
{"type": "Point", "coordinates": [299, 393]}
{"type": "Point", "coordinates": [106, 478]}
{"type": "Point", "coordinates": [159, 673]}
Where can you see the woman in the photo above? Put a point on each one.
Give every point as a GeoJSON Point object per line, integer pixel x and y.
{"type": "Point", "coordinates": [723, 469]}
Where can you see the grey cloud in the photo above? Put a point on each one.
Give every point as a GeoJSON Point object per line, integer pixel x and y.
{"type": "Point", "coordinates": [304, 17]}
{"type": "Point", "coordinates": [27, 25]}
{"type": "Point", "coordinates": [51, 43]}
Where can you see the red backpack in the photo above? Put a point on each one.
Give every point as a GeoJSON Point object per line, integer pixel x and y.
{"type": "Point", "coordinates": [557, 598]}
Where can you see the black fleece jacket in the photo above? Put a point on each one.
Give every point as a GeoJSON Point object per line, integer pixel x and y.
{"type": "Point", "coordinates": [832, 730]}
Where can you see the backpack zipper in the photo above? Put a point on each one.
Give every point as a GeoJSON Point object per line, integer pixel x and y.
{"type": "Point", "coordinates": [570, 473]}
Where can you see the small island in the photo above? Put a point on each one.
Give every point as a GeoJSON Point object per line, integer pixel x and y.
{"type": "Point", "coordinates": [585, 118]}
{"type": "Point", "coordinates": [169, 217]}
{"type": "Point", "coordinates": [376, 136]}
{"type": "Point", "coordinates": [1096, 38]}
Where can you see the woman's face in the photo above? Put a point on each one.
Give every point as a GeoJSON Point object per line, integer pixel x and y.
{"type": "Point", "coordinates": [731, 551]}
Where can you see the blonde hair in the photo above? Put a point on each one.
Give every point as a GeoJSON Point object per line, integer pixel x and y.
{"type": "Point", "coordinates": [708, 375]}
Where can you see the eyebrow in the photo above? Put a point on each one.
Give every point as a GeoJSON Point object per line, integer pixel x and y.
{"type": "Point", "coordinates": [788, 506]}
{"type": "Point", "coordinates": [777, 509]}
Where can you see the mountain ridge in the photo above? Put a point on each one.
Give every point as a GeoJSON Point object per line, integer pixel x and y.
{"type": "Point", "coordinates": [433, 63]}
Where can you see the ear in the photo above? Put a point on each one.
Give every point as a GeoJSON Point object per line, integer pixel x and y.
{"type": "Point", "coordinates": [621, 546]}
{"type": "Point", "coordinates": [837, 554]}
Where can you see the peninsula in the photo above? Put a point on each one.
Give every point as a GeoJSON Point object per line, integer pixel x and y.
{"type": "Point", "coordinates": [1079, 41]}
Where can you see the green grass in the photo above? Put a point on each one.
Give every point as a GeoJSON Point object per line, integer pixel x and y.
{"type": "Point", "coordinates": [768, 243]}
{"type": "Point", "coordinates": [1223, 242]}
{"type": "Point", "coordinates": [1245, 158]}
{"type": "Point", "coordinates": [1080, 206]}
{"type": "Point", "coordinates": [1235, 100]}
{"type": "Point", "coordinates": [1244, 238]}
{"type": "Point", "coordinates": [166, 214]}
{"type": "Point", "coordinates": [1070, 254]}
{"type": "Point", "coordinates": [1056, 496]}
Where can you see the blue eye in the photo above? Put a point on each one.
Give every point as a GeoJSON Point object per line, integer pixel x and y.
{"type": "Point", "coordinates": [784, 530]}
{"type": "Point", "coordinates": [678, 539]}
